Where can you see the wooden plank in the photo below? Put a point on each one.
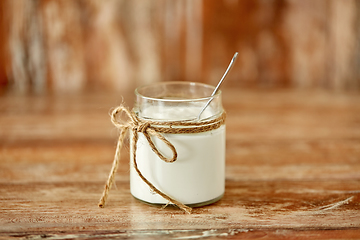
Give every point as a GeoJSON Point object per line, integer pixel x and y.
{"type": "Point", "coordinates": [246, 204]}
{"type": "Point", "coordinates": [192, 234]}
{"type": "Point", "coordinates": [293, 169]}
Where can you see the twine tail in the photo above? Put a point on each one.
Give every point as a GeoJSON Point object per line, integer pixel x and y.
{"type": "Point", "coordinates": [182, 206]}
{"type": "Point", "coordinates": [152, 187]}
{"type": "Point", "coordinates": [114, 168]}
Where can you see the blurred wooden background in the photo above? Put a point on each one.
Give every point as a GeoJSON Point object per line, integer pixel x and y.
{"type": "Point", "coordinates": [81, 45]}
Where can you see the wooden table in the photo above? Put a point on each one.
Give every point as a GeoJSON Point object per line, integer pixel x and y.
{"type": "Point", "coordinates": [293, 170]}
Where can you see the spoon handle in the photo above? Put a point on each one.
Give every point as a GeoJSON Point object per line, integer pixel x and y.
{"type": "Point", "coordinates": [218, 86]}
{"type": "Point", "coordinates": [225, 74]}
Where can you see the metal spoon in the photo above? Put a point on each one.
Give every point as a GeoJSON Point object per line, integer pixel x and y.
{"type": "Point", "coordinates": [218, 86]}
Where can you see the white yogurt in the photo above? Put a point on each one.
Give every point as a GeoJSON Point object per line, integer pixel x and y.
{"type": "Point", "coordinates": [197, 177]}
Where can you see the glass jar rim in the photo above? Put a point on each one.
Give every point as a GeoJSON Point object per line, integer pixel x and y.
{"type": "Point", "coordinates": [157, 84]}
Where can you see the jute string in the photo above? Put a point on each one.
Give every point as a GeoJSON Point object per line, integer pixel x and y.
{"type": "Point", "coordinates": [156, 129]}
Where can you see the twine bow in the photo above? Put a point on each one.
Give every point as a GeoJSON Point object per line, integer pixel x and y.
{"type": "Point", "coordinates": [135, 125]}
{"type": "Point", "coordinates": [153, 128]}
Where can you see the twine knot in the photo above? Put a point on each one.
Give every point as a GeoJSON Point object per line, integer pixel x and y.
{"type": "Point", "coordinates": [152, 128]}
{"type": "Point", "coordinates": [142, 127]}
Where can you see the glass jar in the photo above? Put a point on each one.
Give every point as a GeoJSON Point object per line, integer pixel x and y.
{"type": "Point", "coordinates": [197, 177]}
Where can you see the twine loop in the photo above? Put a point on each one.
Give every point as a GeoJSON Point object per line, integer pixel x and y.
{"type": "Point", "coordinates": [152, 128]}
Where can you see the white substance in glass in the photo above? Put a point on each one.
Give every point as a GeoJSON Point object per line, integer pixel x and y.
{"type": "Point", "coordinates": [198, 175]}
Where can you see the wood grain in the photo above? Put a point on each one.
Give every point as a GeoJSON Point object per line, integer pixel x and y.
{"type": "Point", "coordinates": [72, 46]}
{"type": "Point", "coordinates": [293, 169]}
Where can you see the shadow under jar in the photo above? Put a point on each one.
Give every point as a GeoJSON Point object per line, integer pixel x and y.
{"type": "Point", "coordinates": [197, 177]}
